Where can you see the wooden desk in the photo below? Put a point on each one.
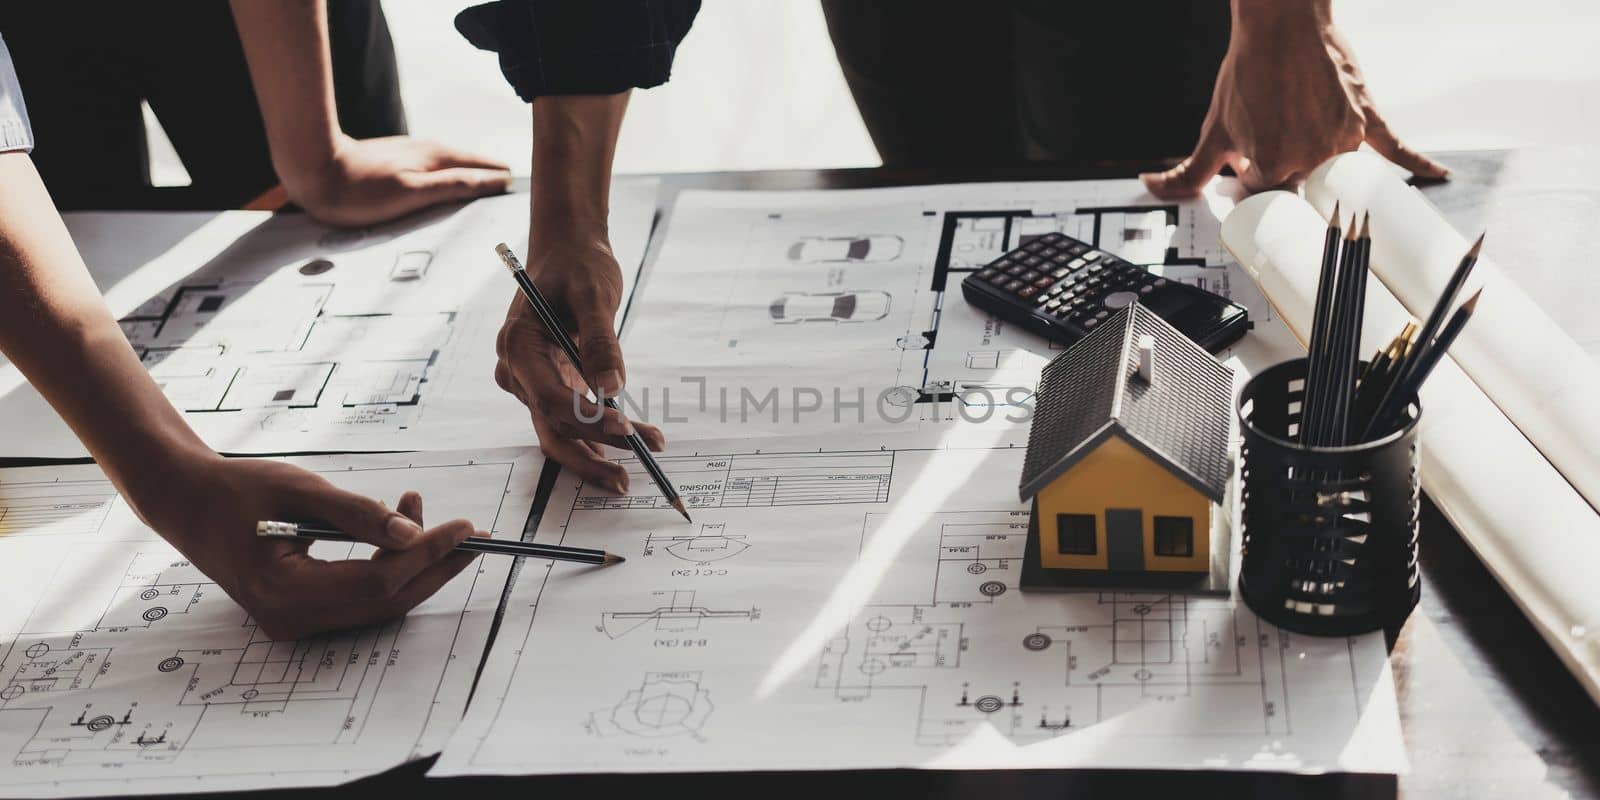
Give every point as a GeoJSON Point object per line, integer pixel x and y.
{"type": "Point", "coordinates": [1487, 708]}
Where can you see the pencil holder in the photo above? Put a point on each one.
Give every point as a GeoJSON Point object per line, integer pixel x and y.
{"type": "Point", "coordinates": [1329, 533]}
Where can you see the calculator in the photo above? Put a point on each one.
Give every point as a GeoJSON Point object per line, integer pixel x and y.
{"type": "Point", "coordinates": [1062, 288]}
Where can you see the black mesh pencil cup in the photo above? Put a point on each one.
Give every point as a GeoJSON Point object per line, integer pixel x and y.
{"type": "Point", "coordinates": [1329, 533]}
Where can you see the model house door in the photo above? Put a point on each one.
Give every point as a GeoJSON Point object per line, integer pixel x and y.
{"type": "Point", "coordinates": [1124, 539]}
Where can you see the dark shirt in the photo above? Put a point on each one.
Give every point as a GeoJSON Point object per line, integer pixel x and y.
{"type": "Point", "coordinates": [580, 46]}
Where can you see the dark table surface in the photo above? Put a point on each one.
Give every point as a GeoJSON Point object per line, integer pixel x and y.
{"type": "Point", "coordinates": [1487, 709]}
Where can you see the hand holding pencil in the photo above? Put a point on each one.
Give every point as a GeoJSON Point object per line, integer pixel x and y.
{"type": "Point", "coordinates": [552, 324]}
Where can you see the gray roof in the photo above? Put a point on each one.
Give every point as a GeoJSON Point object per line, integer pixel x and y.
{"type": "Point", "coordinates": [1092, 392]}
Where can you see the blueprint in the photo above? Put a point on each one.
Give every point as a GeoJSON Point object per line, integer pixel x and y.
{"type": "Point", "coordinates": [274, 333]}
{"type": "Point", "coordinates": [853, 603]}
{"type": "Point", "coordinates": [124, 670]}
{"type": "Point", "coordinates": [780, 312]}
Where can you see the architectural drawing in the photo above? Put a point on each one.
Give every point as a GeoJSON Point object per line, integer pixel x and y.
{"type": "Point", "coordinates": [788, 308]}
{"type": "Point", "coordinates": [893, 627]}
{"type": "Point", "coordinates": [675, 611]}
{"type": "Point", "coordinates": [131, 672]}
{"type": "Point", "coordinates": [276, 334]}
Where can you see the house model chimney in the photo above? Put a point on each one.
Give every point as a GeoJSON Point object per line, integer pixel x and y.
{"type": "Point", "coordinates": [1147, 358]}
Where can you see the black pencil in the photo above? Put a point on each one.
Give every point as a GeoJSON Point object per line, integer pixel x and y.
{"type": "Point", "coordinates": [552, 323]}
{"type": "Point", "coordinates": [1319, 326]}
{"type": "Point", "coordinates": [1425, 361]}
{"type": "Point", "coordinates": [1430, 328]}
{"type": "Point", "coordinates": [581, 555]}
{"type": "Point", "coordinates": [1350, 341]}
{"type": "Point", "coordinates": [1329, 352]}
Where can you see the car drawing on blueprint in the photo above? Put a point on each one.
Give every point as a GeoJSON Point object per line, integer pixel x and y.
{"type": "Point", "coordinates": [872, 247]}
{"type": "Point", "coordinates": [797, 307]}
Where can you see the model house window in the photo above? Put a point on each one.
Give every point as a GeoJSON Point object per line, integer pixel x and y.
{"type": "Point", "coordinates": [1174, 536]}
{"type": "Point", "coordinates": [1075, 534]}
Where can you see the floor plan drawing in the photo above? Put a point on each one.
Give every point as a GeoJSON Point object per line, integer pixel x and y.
{"type": "Point", "coordinates": [124, 669]}
{"type": "Point", "coordinates": [897, 330]}
{"type": "Point", "coordinates": [894, 627]}
{"type": "Point", "coordinates": [283, 335]}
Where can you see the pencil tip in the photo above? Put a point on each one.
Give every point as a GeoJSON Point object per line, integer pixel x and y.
{"type": "Point", "coordinates": [1472, 302]}
{"type": "Point", "coordinates": [1366, 220]}
{"type": "Point", "coordinates": [678, 504]}
{"type": "Point", "coordinates": [1476, 246]}
{"type": "Point", "coordinates": [613, 558]}
{"type": "Point", "coordinates": [1333, 221]}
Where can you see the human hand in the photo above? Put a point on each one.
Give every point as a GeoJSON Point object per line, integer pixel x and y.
{"type": "Point", "coordinates": [365, 181]}
{"type": "Point", "coordinates": [1288, 96]}
{"type": "Point", "coordinates": [584, 284]}
{"type": "Point", "coordinates": [212, 520]}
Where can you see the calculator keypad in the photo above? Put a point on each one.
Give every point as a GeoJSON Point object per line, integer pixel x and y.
{"type": "Point", "coordinates": [1069, 281]}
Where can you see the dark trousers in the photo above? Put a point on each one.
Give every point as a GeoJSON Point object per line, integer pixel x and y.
{"type": "Point", "coordinates": [983, 82]}
{"type": "Point", "coordinates": [85, 65]}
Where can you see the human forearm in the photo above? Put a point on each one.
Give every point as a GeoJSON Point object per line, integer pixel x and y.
{"type": "Point", "coordinates": [286, 47]}
{"type": "Point", "coordinates": [574, 143]}
{"type": "Point", "coordinates": [1250, 14]}
{"type": "Point", "coordinates": [58, 332]}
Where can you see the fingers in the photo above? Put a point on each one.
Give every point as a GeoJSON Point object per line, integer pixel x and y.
{"type": "Point", "coordinates": [362, 517]}
{"type": "Point", "coordinates": [329, 595]}
{"type": "Point", "coordinates": [1191, 175]}
{"type": "Point", "coordinates": [602, 356]}
{"type": "Point", "coordinates": [1389, 146]}
{"type": "Point", "coordinates": [582, 457]}
{"type": "Point", "coordinates": [411, 506]}
{"type": "Point", "coordinates": [455, 183]}
{"type": "Point", "coordinates": [444, 156]}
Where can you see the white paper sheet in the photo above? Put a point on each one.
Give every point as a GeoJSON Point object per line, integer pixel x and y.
{"type": "Point", "coordinates": [123, 670]}
{"type": "Point", "coordinates": [853, 603]}
{"type": "Point", "coordinates": [1527, 523]}
{"type": "Point", "coordinates": [777, 312]}
{"type": "Point", "coordinates": [279, 334]}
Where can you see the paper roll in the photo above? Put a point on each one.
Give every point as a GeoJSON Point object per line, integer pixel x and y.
{"type": "Point", "coordinates": [1510, 504]}
{"type": "Point", "coordinates": [1532, 369]}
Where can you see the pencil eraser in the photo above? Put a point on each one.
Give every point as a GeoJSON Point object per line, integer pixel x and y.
{"type": "Point", "coordinates": [268, 527]}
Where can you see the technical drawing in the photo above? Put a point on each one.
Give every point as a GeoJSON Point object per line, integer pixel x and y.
{"type": "Point", "coordinates": [755, 479]}
{"type": "Point", "coordinates": [711, 544]}
{"type": "Point", "coordinates": [1134, 647]}
{"type": "Point", "coordinates": [154, 586]}
{"type": "Point", "coordinates": [129, 661]}
{"type": "Point", "coordinates": [886, 247]}
{"type": "Point", "coordinates": [676, 612]}
{"type": "Point", "coordinates": [665, 704]}
{"type": "Point", "coordinates": [858, 306]}
{"type": "Point", "coordinates": [54, 509]}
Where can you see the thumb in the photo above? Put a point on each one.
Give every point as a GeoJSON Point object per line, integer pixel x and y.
{"type": "Point", "coordinates": [602, 356]}
{"type": "Point", "coordinates": [459, 183]}
{"type": "Point", "coordinates": [364, 518]}
{"type": "Point", "coordinates": [1193, 173]}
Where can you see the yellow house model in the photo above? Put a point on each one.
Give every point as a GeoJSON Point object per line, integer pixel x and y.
{"type": "Point", "coordinates": [1128, 460]}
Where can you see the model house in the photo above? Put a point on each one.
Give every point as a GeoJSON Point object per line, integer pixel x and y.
{"type": "Point", "coordinates": [1127, 459]}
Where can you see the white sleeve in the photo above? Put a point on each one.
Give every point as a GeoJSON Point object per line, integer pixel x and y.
{"type": "Point", "coordinates": [15, 133]}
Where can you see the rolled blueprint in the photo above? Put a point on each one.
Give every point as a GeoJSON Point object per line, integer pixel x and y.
{"type": "Point", "coordinates": [1533, 370]}
{"type": "Point", "coordinates": [1508, 501]}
